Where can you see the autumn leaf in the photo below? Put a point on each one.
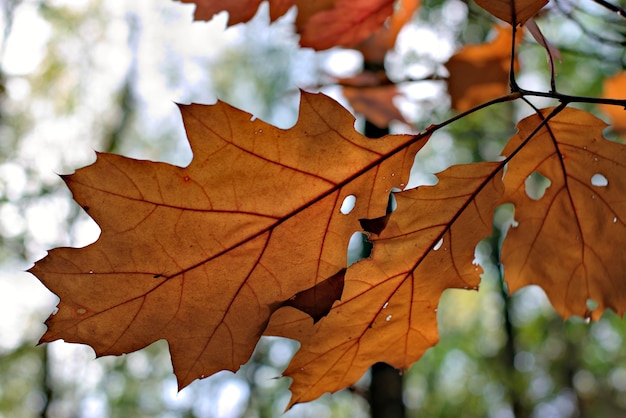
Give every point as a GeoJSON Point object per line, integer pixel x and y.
{"type": "Point", "coordinates": [502, 9]}
{"type": "Point", "coordinates": [375, 103]}
{"type": "Point", "coordinates": [201, 255]}
{"type": "Point", "coordinates": [375, 46]}
{"type": "Point", "coordinates": [346, 24]}
{"type": "Point", "coordinates": [371, 94]}
{"type": "Point", "coordinates": [570, 241]}
{"type": "Point", "coordinates": [388, 309]}
{"type": "Point", "coordinates": [479, 73]}
{"type": "Point", "coordinates": [615, 87]}
{"type": "Point", "coordinates": [321, 24]}
{"type": "Point", "coordinates": [403, 12]}
{"type": "Point", "coordinates": [239, 11]}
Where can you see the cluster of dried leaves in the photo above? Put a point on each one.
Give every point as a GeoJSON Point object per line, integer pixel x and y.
{"type": "Point", "coordinates": [250, 239]}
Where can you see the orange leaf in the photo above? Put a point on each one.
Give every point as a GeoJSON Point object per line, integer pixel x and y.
{"type": "Point", "coordinates": [615, 88]}
{"type": "Point", "coordinates": [201, 255]}
{"type": "Point", "coordinates": [404, 11]}
{"type": "Point", "coordinates": [346, 24]}
{"type": "Point", "coordinates": [375, 47]}
{"type": "Point", "coordinates": [524, 9]}
{"type": "Point", "coordinates": [239, 11]}
{"type": "Point", "coordinates": [375, 103]}
{"type": "Point", "coordinates": [388, 310]}
{"type": "Point", "coordinates": [571, 240]}
{"type": "Point", "coordinates": [479, 73]}
{"type": "Point", "coordinates": [371, 94]}
{"type": "Point", "coordinates": [323, 23]}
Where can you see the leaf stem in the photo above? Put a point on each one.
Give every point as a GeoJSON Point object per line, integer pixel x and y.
{"type": "Point", "coordinates": [512, 81]}
{"type": "Point", "coordinates": [620, 12]}
{"type": "Point", "coordinates": [566, 98]}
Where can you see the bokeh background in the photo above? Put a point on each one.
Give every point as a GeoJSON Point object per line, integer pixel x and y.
{"type": "Point", "coordinates": [78, 76]}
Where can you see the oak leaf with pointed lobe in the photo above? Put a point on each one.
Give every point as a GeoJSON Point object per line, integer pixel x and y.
{"type": "Point", "coordinates": [571, 240]}
{"type": "Point", "coordinates": [202, 255]}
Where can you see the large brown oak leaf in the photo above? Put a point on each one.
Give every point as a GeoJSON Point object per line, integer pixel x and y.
{"type": "Point", "coordinates": [202, 255]}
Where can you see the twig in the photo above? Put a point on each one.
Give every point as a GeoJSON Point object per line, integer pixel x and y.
{"type": "Point", "coordinates": [616, 9]}
{"type": "Point", "coordinates": [567, 99]}
{"type": "Point", "coordinates": [512, 81]}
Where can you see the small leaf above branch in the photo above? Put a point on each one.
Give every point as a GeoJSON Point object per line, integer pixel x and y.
{"type": "Point", "coordinates": [479, 73]}
{"type": "Point", "coordinates": [503, 9]}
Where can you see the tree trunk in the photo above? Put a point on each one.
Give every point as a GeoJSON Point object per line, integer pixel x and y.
{"type": "Point", "coordinates": [385, 392]}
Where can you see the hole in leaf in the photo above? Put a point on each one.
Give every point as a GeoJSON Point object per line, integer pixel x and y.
{"type": "Point", "coordinates": [438, 245]}
{"type": "Point", "coordinates": [359, 247]}
{"type": "Point", "coordinates": [504, 217]}
{"type": "Point", "coordinates": [348, 204]}
{"type": "Point", "coordinates": [536, 185]}
{"type": "Point", "coordinates": [591, 304]}
{"type": "Point", "coordinates": [391, 203]}
{"type": "Point", "coordinates": [599, 180]}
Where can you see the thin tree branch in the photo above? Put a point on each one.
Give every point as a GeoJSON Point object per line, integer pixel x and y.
{"type": "Point", "coordinates": [566, 98]}
{"type": "Point", "coordinates": [616, 9]}
{"type": "Point", "coordinates": [512, 81]}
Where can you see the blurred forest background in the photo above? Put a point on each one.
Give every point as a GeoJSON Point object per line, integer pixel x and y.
{"type": "Point", "coordinates": [84, 75]}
